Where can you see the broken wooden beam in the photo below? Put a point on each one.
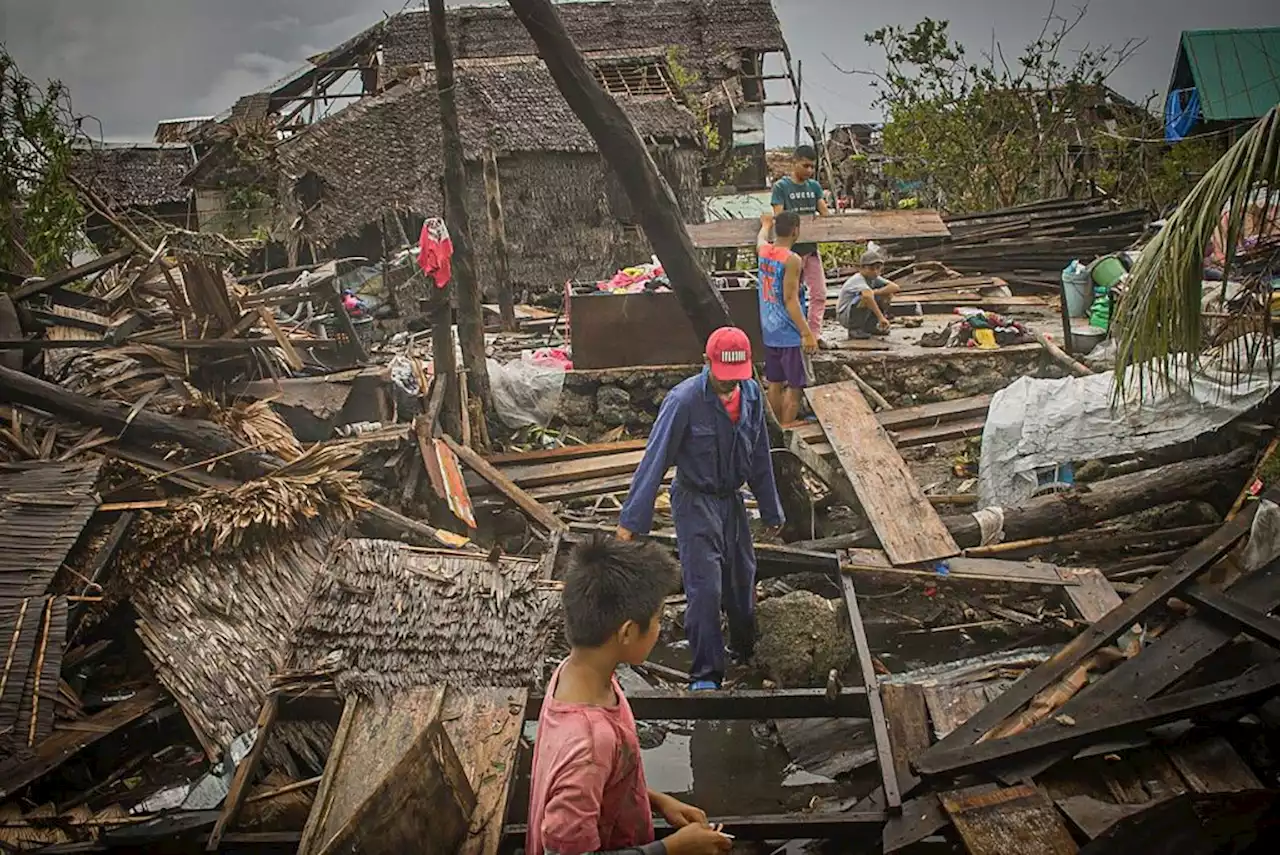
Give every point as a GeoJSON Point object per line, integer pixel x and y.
{"type": "Point", "coordinates": [1087, 643]}
{"type": "Point", "coordinates": [1060, 356]}
{"type": "Point", "coordinates": [71, 274]}
{"type": "Point", "coordinates": [907, 525]}
{"type": "Point", "coordinates": [531, 506]}
{"type": "Point", "coordinates": [243, 777]}
{"type": "Point", "coordinates": [1072, 734]}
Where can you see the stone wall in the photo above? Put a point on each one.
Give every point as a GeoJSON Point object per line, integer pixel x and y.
{"type": "Point", "coordinates": [594, 402]}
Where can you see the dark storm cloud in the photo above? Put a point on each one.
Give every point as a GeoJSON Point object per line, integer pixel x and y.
{"type": "Point", "coordinates": [133, 62]}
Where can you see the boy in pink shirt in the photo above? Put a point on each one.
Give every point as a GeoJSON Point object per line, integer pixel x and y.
{"type": "Point", "coordinates": [588, 792]}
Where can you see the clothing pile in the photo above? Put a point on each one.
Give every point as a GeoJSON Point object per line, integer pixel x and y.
{"type": "Point", "coordinates": [634, 280]}
{"type": "Point", "coordinates": [978, 328]}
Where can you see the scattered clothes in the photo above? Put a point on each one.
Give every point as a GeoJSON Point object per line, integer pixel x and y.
{"type": "Point", "coordinates": [634, 280]}
{"type": "Point", "coordinates": [355, 306]}
{"type": "Point", "coordinates": [435, 251]}
{"type": "Point", "coordinates": [978, 328]}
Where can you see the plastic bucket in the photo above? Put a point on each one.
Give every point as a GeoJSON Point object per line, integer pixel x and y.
{"type": "Point", "coordinates": [1077, 290]}
{"type": "Point", "coordinates": [1107, 271]}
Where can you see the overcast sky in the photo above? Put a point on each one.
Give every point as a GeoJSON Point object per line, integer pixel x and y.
{"type": "Point", "coordinates": [130, 63]}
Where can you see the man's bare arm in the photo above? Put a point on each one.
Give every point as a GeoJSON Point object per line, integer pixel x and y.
{"type": "Point", "coordinates": [791, 298]}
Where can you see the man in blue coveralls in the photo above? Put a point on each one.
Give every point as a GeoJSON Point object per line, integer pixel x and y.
{"type": "Point", "coordinates": [711, 427]}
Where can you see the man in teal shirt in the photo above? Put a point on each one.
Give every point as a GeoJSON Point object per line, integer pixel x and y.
{"type": "Point", "coordinates": [799, 192]}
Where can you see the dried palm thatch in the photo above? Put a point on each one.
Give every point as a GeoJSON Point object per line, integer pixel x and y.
{"type": "Point", "coordinates": [313, 486]}
{"type": "Point", "coordinates": [388, 617]}
{"type": "Point", "coordinates": [216, 626]}
{"type": "Point", "coordinates": [255, 422]}
{"type": "Point", "coordinates": [44, 826]}
{"type": "Point", "coordinates": [1159, 318]}
{"type": "Point", "coordinates": [269, 809]}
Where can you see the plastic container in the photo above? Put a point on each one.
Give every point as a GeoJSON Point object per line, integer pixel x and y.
{"type": "Point", "coordinates": [1077, 289]}
{"type": "Point", "coordinates": [1107, 271]}
{"type": "Point", "coordinates": [1085, 339]}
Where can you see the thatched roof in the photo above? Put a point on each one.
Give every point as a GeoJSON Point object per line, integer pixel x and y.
{"type": "Point", "coordinates": [704, 29]}
{"type": "Point", "coordinates": [217, 627]}
{"type": "Point", "coordinates": [384, 152]}
{"type": "Point", "coordinates": [136, 176]}
{"type": "Point", "coordinates": [389, 617]}
{"type": "Point", "coordinates": [43, 508]}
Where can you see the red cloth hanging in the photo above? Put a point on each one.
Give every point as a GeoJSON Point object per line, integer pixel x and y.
{"type": "Point", "coordinates": [435, 251]}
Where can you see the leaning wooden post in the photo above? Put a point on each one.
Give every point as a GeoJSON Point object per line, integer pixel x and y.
{"type": "Point", "coordinates": [498, 234]}
{"type": "Point", "coordinates": [470, 308]}
{"type": "Point", "coordinates": [650, 196]}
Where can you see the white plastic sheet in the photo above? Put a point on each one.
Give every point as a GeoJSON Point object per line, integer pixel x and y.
{"type": "Point", "coordinates": [525, 392]}
{"type": "Point", "coordinates": [1034, 423]}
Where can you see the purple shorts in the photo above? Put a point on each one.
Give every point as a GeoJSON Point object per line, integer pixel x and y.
{"type": "Point", "coordinates": [785, 365]}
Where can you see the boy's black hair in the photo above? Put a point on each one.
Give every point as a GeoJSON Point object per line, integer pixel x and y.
{"type": "Point", "coordinates": [786, 224]}
{"type": "Point", "coordinates": [610, 582]}
{"type": "Point", "coordinates": [804, 152]}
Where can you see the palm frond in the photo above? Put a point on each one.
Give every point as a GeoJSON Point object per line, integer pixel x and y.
{"type": "Point", "coordinates": [1160, 316]}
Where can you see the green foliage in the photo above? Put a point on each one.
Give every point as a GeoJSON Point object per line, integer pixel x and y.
{"type": "Point", "coordinates": [1159, 318]}
{"type": "Point", "coordinates": [837, 255]}
{"type": "Point", "coordinates": [39, 212]}
{"type": "Point", "coordinates": [995, 131]}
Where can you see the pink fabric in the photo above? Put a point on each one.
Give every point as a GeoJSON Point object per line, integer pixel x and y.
{"type": "Point", "coordinates": [815, 279]}
{"type": "Point", "coordinates": [435, 252]}
{"type": "Point", "coordinates": [587, 791]}
{"type": "Point", "coordinates": [552, 357]}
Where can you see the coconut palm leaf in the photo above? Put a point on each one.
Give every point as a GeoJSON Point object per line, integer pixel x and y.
{"type": "Point", "coordinates": [1159, 317]}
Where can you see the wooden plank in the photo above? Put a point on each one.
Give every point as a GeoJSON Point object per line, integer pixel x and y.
{"type": "Point", "coordinates": [394, 783]}
{"type": "Point", "coordinates": [1224, 607]}
{"type": "Point", "coordinates": [981, 569]}
{"type": "Point", "coordinates": [1115, 622]}
{"type": "Point", "coordinates": [1211, 765]}
{"type": "Point", "coordinates": [1172, 656]}
{"type": "Point", "coordinates": [1256, 683]}
{"type": "Point", "coordinates": [929, 415]}
{"type": "Point", "coordinates": [1094, 816]}
{"type": "Point", "coordinates": [589, 487]}
{"type": "Point", "coordinates": [244, 773]}
{"type": "Point", "coordinates": [824, 468]}
{"type": "Point", "coordinates": [291, 357]}
{"type": "Point", "coordinates": [320, 805]}
{"type": "Point", "coordinates": [908, 527]}
{"type": "Point", "coordinates": [1017, 819]}
{"type": "Point", "coordinates": [424, 805]}
{"type": "Point", "coordinates": [485, 726]}
{"type": "Point", "coordinates": [917, 436]}
{"type": "Point", "coordinates": [857, 227]}
{"type": "Point", "coordinates": [559, 472]}
{"type": "Point", "coordinates": [66, 277]}
{"type": "Point", "coordinates": [870, 683]}
{"type": "Point", "coordinates": [952, 706]}
{"type": "Point", "coordinates": [907, 715]}
{"type": "Point", "coordinates": [1094, 597]}
{"type": "Point", "coordinates": [535, 510]}
{"type": "Point", "coordinates": [565, 452]}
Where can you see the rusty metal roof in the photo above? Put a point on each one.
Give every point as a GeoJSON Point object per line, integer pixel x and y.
{"type": "Point", "coordinates": [43, 508]}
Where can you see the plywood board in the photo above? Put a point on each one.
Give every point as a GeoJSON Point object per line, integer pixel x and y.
{"type": "Point", "coordinates": [857, 227]}
{"type": "Point", "coordinates": [908, 527]}
{"type": "Point", "coordinates": [907, 715]}
{"type": "Point", "coordinates": [952, 706]}
{"type": "Point", "coordinates": [484, 726]}
{"type": "Point", "coordinates": [1017, 819]}
{"type": "Point", "coordinates": [977, 569]}
{"type": "Point", "coordinates": [1093, 597]}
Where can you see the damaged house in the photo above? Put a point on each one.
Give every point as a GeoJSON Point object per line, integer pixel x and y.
{"type": "Point", "coordinates": [139, 178]}
{"type": "Point", "coordinates": [685, 71]}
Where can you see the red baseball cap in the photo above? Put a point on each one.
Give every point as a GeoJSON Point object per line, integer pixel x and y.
{"type": "Point", "coordinates": [729, 352]}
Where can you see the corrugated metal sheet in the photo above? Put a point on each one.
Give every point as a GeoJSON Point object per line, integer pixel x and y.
{"type": "Point", "coordinates": [1236, 72]}
{"type": "Point", "coordinates": [43, 508]}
